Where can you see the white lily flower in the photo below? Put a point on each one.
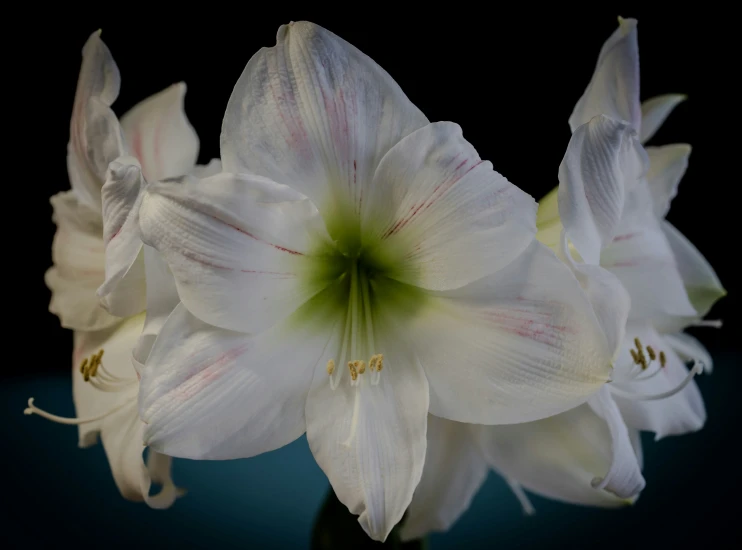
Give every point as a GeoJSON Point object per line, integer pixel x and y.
{"type": "Point", "coordinates": [105, 390]}
{"type": "Point", "coordinates": [612, 208]}
{"type": "Point", "coordinates": [354, 268]}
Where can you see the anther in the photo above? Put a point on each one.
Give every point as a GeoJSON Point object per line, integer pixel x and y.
{"type": "Point", "coordinates": [635, 357]}
{"type": "Point", "coordinates": [330, 367]}
{"type": "Point", "coordinates": [379, 362]}
{"type": "Point", "coordinates": [353, 370]}
{"type": "Point", "coordinates": [663, 359]}
{"type": "Point", "coordinates": [361, 366]}
{"type": "Point", "coordinates": [652, 355]}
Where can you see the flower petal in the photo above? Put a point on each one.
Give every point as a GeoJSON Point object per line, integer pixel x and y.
{"type": "Point", "coordinates": [700, 280]}
{"type": "Point", "coordinates": [557, 457]}
{"type": "Point", "coordinates": [116, 342]}
{"type": "Point", "coordinates": [78, 256]}
{"type": "Point", "coordinates": [641, 257]}
{"type": "Point", "coordinates": [440, 215]}
{"type": "Point", "coordinates": [454, 471]}
{"type": "Point", "coordinates": [121, 435]}
{"type": "Point", "coordinates": [162, 298]}
{"type": "Point", "coordinates": [681, 413]}
{"type": "Point", "coordinates": [624, 478]}
{"type": "Point", "coordinates": [655, 111]}
{"type": "Point", "coordinates": [602, 163]}
{"type": "Point", "coordinates": [95, 135]}
{"type": "Point", "coordinates": [370, 440]}
{"type": "Point", "coordinates": [315, 113]}
{"type": "Point", "coordinates": [614, 88]}
{"type": "Point", "coordinates": [515, 346]}
{"type": "Point", "coordinates": [160, 136]}
{"type": "Point", "coordinates": [202, 171]}
{"type": "Point", "coordinates": [689, 349]}
{"type": "Point", "coordinates": [667, 166]}
{"type": "Point", "coordinates": [209, 393]}
{"type": "Point", "coordinates": [245, 251]}
{"type": "Point", "coordinates": [123, 292]}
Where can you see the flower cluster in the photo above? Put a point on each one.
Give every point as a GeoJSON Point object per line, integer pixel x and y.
{"type": "Point", "coordinates": [355, 272]}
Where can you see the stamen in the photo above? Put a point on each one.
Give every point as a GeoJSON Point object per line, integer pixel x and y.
{"type": "Point", "coordinates": [635, 357]}
{"type": "Point", "coordinates": [663, 359]}
{"type": "Point", "coordinates": [715, 323]}
{"type": "Point", "coordinates": [33, 409]}
{"type": "Point", "coordinates": [353, 370]}
{"type": "Point", "coordinates": [650, 352]}
{"type": "Point", "coordinates": [330, 367]}
{"type": "Point", "coordinates": [520, 494]}
{"type": "Point", "coordinates": [94, 372]}
{"type": "Point", "coordinates": [697, 369]}
{"type": "Point", "coordinates": [360, 365]}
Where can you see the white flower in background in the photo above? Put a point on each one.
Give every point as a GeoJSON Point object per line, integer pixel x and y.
{"type": "Point", "coordinates": [354, 268]}
{"type": "Point", "coordinates": [612, 209]}
{"type": "Point", "coordinates": [105, 389]}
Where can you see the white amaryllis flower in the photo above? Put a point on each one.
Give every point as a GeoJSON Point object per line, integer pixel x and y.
{"type": "Point", "coordinates": [612, 210]}
{"type": "Point", "coordinates": [105, 390]}
{"type": "Point", "coordinates": [354, 268]}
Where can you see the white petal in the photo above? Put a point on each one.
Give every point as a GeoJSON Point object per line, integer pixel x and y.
{"type": "Point", "coordinates": [209, 393]}
{"type": "Point", "coordinates": [116, 342]}
{"type": "Point", "coordinates": [667, 166]}
{"type": "Point", "coordinates": [202, 171]}
{"type": "Point", "coordinates": [315, 113]}
{"type": "Point", "coordinates": [160, 136]}
{"type": "Point", "coordinates": [602, 163]}
{"type": "Point", "coordinates": [95, 135]}
{"type": "Point", "coordinates": [624, 478]}
{"type": "Point", "coordinates": [614, 88]}
{"type": "Point", "coordinates": [78, 256]}
{"type": "Point", "coordinates": [370, 440]}
{"type": "Point", "coordinates": [243, 250]}
{"type": "Point", "coordinates": [655, 111]}
{"type": "Point", "coordinates": [162, 298]}
{"type": "Point", "coordinates": [557, 457]}
{"type": "Point", "coordinates": [515, 346]}
{"type": "Point", "coordinates": [123, 292]}
{"type": "Point", "coordinates": [700, 280]}
{"type": "Point", "coordinates": [689, 349]}
{"type": "Point", "coordinates": [454, 471]}
{"type": "Point", "coordinates": [121, 435]}
{"type": "Point", "coordinates": [682, 413]}
{"type": "Point", "coordinates": [641, 257]}
{"type": "Point", "coordinates": [441, 216]}
{"type": "Point", "coordinates": [610, 301]}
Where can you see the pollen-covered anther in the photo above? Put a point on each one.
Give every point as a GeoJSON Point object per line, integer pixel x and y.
{"type": "Point", "coordinates": [652, 354]}
{"type": "Point", "coordinates": [640, 354]}
{"type": "Point", "coordinates": [89, 366]}
{"type": "Point", "coordinates": [663, 359]}
{"type": "Point", "coordinates": [330, 367]}
{"type": "Point", "coordinates": [376, 363]}
{"type": "Point", "coordinates": [353, 370]}
{"type": "Point", "coordinates": [360, 366]}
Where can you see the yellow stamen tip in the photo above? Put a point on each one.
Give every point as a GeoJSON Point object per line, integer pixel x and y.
{"type": "Point", "coordinates": [650, 351]}
{"type": "Point", "coordinates": [330, 367]}
{"type": "Point", "coordinates": [361, 366]}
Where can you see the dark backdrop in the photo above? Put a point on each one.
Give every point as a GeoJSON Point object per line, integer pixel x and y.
{"type": "Point", "coordinates": [510, 81]}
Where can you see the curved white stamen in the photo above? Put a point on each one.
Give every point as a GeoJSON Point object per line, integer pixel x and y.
{"type": "Point", "coordinates": [33, 409]}
{"type": "Point", "coordinates": [710, 323]}
{"type": "Point", "coordinates": [697, 369]}
{"type": "Point", "coordinates": [354, 418]}
{"type": "Point", "coordinates": [648, 376]}
{"type": "Point", "coordinates": [522, 497]}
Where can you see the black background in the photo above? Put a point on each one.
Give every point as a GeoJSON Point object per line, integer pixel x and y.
{"type": "Point", "coordinates": [510, 81]}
